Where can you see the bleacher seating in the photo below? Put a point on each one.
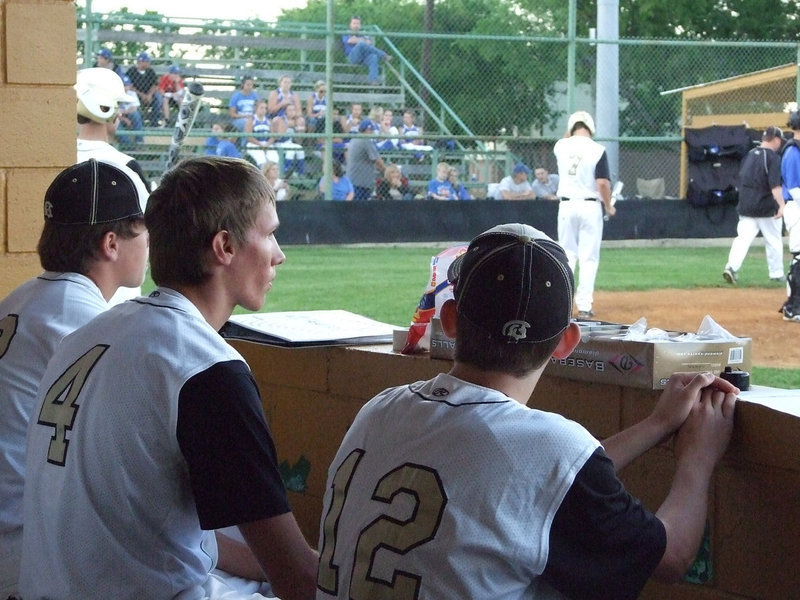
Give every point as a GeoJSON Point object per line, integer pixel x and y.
{"type": "Point", "coordinates": [300, 56]}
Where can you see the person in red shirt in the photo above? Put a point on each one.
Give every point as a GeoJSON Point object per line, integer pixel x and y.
{"type": "Point", "coordinates": [172, 90]}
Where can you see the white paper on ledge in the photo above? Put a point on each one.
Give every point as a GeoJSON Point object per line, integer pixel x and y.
{"type": "Point", "coordinates": [314, 327]}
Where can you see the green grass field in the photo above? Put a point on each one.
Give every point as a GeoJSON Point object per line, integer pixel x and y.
{"type": "Point", "coordinates": [386, 282]}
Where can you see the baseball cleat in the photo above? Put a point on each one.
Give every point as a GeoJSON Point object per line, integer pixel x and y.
{"type": "Point", "coordinates": [729, 275]}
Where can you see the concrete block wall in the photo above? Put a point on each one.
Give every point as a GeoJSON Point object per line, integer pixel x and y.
{"type": "Point", "coordinates": [37, 123]}
{"type": "Point", "coordinates": [311, 396]}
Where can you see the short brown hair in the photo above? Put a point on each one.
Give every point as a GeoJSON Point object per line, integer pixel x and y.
{"type": "Point", "coordinates": [73, 248]}
{"type": "Point", "coordinates": [195, 200]}
{"type": "Point", "coordinates": [477, 348]}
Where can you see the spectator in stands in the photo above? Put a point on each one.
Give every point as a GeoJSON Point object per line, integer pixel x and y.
{"type": "Point", "coordinates": [172, 90]}
{"type": "Point", "coordinates": [388, 128]}
{"type": "Point", "coordinates": [145, 82]}
{"type": "Point", "coordinates": [316, 106]}
{"type": "Point", "coordinates": [363, 159]}
{"type": "Point", "coordinates": [104, 59]}
{"type": "Point", "coordinates": [294, 157]}
{"type": "Point", "coordinates": [353, 119]}
{"type": "Point", "coordinates": [213, 140]}
{"type": "Point", "coordinates": [227, 145]}
{"type": "Point", "coordinates": [393, 186]}
{"type": "Point", "coordinates": [129, 118]}
{"type": "Point", "coordinates": [260, 140]}
{"type": "Point", "coordinates": [339, 146]}
{"type": "Point", "coordinates": [341, 188]}
{"type": "Point", "coordinates": [282, 189]}
{"type": "Point", "coordinates": [412, 134]}
{"type": "Point", "coordinates": [243, 103]}
{"type": "Point", "coordinates": [440, 188]}
{"type": "Point", "coordinates": [360, 50]}
{"type": "Point", "coordinates": [283, 96]}
{"type": "Point", "coordinates": [461, 192]}
{"type": "Point", "coordinates": [516, 186]}
{"type": "Point", "coordinates": [545, 185]}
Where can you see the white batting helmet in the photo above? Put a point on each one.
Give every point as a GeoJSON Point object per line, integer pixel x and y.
{"type": "Point", "coordinates": [581, 116]}
{"type": "Point", "coordinates": [99, 91]}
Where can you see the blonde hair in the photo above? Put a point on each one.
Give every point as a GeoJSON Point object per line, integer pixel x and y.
{"type": "Point", "coordinates": [390, 170]}
{"type": "Point", "coordinates": [267, 166]}
{"type": "Point", "coordinates": [375, 113]}
{"type": "Point", "coordinates": [318, 84]}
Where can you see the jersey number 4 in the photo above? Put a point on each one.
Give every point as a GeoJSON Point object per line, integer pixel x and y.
{"type": "Point", "coordinates": [425, 487]}
{"type": "Point", "coordinates": [8, 327]}
{"type": "Point", "coordinates": [60, 408]}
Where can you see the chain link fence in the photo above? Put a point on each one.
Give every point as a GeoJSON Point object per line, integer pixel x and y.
{"type": "Point", "coordinates": [482, 101]}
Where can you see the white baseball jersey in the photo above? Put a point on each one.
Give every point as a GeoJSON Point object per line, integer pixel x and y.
{"type": "Point", "coordinates": [580, 212]}
{"type": "Point", "coordinates": [445, 489]}
{"type": "Point", "coordinates": [148, 433]}
{"type": "Point", "coordinates": [33, 320]}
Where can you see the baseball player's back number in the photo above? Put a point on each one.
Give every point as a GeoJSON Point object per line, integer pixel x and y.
{"type": "Point", "coordinates": [8, 327]}
{"type": "Point", "coordinates": [60, 408]}
{"type": "Point", "coordinates": [421, 527]}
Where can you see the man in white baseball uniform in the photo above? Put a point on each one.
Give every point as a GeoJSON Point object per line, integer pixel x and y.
{"type": "Point", "coordinates": [454, 488]}
{"type": "Point", "coordinates": [584, 189]}
{"type": "Point", "coordinates": [148, 432]}
{"type": "Point", "coordinates": [92, 242]}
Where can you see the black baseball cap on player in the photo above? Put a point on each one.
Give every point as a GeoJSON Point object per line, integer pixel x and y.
{"type": "Point", "coordinates": [94, 192]}
{"type": "Point", "coordinates": [514, 283]}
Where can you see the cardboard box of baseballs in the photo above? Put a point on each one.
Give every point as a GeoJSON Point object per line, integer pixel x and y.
{"type": "Point", "coordinates": [603, 357]}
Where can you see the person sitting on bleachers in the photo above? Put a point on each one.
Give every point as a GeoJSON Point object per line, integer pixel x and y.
{"type": "Point", "coordinates": [294, 157]}
{"type": "Point", "coordinates": [129, 117]}
{"type": "Point", "coordinates": [260, 139]}
{"type": "Point", "coordinates": [213, 140]}
{"type": "Point", "coordinates": [145, 82]}
{"type": "Point", "coordinates": [440, 188]}
{"type": "Point", "coordinates": [172, 90]}
{"type": "Point", "coordinates": [412, 134]}
{"type": "Point", "coordinates": [339, 146]}
{"type": "Point", "coordinates": [360, 50]}
{"type": "Point", "coordinates": [341, 188]}
{"type": "Point", "coordinates": [387, 128]}
{"type": "Point", "coordinates": [242, 104]}
{"type": "Point", "coordinates": [352, 120]}
{"type": "Point", "coordinates": [461, 192]}
{"type": "Point", "coordinates": [281, 188]}
{"type": "Point", "coordinates": [393, 186]}
{"type": "Point", "coordinates": [316, 105]}
{"type": "Point", "coordinates": [516, 186]}
{"type": "Point", "coordinates": [283, 96]}
{"type": "Point", "coordinates": [228, 144]}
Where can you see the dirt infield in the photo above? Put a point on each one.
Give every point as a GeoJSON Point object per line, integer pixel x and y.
{"type": "Point", "coordinates": [748, 312]}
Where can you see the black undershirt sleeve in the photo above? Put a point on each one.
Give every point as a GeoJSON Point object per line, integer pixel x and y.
{"type": "Point", "coordinates": [604, 545]}
{"type": "Point", "coordinates": [228, 448]}
{"type": "Point", "coordinates": [601, 169]}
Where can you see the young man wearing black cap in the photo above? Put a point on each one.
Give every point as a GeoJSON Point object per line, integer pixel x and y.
{"type": "Point", "coordinates": [151, 434]}
{"type": "Point", "coordinates": [93, 241]}
{"type": "Point", "coordinates": [453, 488]}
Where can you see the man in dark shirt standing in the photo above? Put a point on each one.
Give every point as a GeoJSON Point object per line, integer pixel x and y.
{"type": "Point", "coordinates": [760, 207]}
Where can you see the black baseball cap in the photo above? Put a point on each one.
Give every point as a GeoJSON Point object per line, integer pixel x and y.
{"type": "Point", "coordinates": [94, 192]}
{"type": "Point", "coordinates": [515, 284]}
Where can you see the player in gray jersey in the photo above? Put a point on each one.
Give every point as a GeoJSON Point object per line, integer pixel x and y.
{"type": "Point", "coordinates": [92, 242]}
{"type": "Point", "coordinates": [454, 488]}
